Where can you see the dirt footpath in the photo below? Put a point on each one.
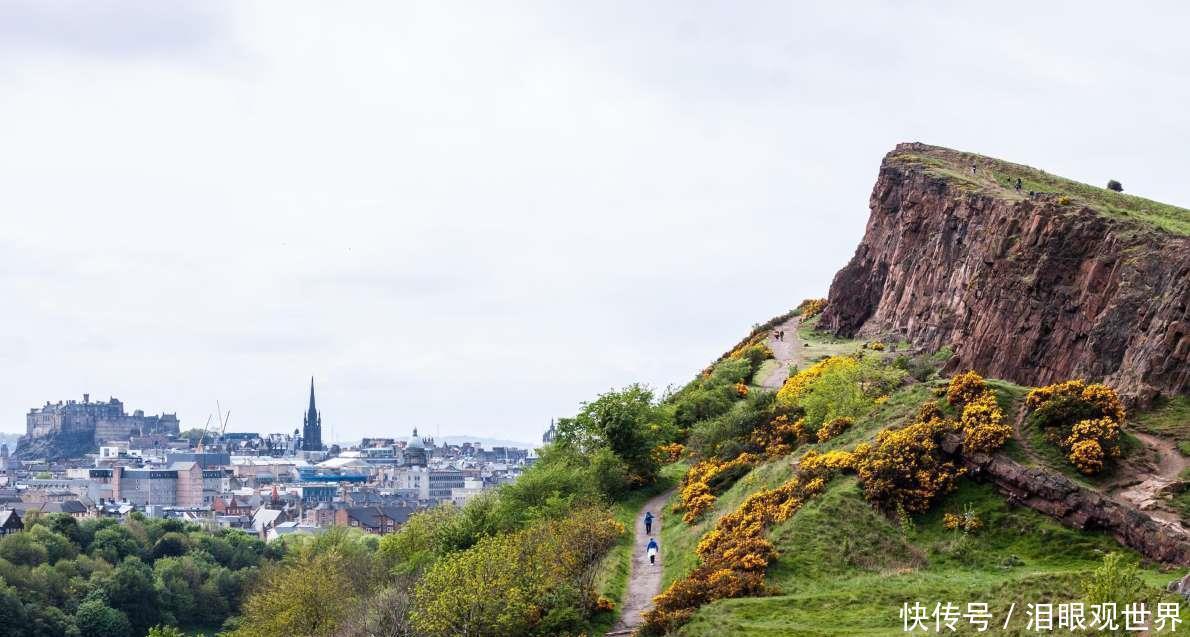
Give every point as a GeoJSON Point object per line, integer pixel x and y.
{"type": "Point", "coordinates": [644, 580]}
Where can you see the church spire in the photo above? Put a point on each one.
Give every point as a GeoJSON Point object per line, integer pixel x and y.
{"type": "Point", "coordinates": [312, 425]}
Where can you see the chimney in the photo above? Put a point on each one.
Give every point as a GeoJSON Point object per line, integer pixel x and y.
{"type": "Point", "coordinates": [86, 398]}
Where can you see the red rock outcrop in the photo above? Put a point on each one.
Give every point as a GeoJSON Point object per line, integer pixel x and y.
{"type": "Point", "coordinates": [1030, 288]}
{"type": "Point", "coordinates": [1076, 506]}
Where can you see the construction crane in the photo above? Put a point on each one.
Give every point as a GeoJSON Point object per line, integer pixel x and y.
{"type": "Point", "coordinates": [223, 419]}
{"type": "Point", "coordinates": [203, 437]}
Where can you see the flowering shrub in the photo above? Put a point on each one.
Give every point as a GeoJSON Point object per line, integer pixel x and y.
{"type": "Point", "coordinates": [741, 389]}
{"type": "Point", "coordinates": [604, 604]}
{"type": "Point", "coordinates": [1082, 419]}
{"type": "Point", "coordinates": [905, 469]}
{"type": "Point", "coordinates": [825, 465]}
{"type": "Point", "coordinates": [812, 308]}
{"type": "Point", "coordinates": [1087, 456]}
{"type": "Point", "coordinates": [833, 428]}
{"type": "Point", "coordinates": [696, 495]}
{"type": "Point", "coordinates": [733, 556]}
{"type": "Point", "coordinates": [779, 436]}
{"type": "Point", "coordinates": [984, 429]}
{"type": "Point", "coordinates": [668, 453]}
{"type": "Point", "coordinates": [875, 346]}
{"type": "Point", "coordinates": [967, 521]}
{"type": "Point", "coordinates": [965, 387]}
{"type": "Point", "coordinates": [797, 385]}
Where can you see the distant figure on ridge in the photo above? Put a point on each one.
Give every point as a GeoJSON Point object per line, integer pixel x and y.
{"type": "Point", "coordinates": [1018, 184]}
{"type": "Point", "coordinates": [648, 522]}
{"type": "Point", "coordinates": [651, 549]}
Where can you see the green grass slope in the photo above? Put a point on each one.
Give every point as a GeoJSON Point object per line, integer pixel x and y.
{"type": "Point", "coordinates": [845, 569]}
{"type": "Point", "coordinates": [998, 177]}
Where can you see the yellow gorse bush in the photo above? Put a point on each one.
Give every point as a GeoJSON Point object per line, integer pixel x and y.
{"type": "Point", "coordinates": [833, 428]}
{"type": "Point", "coordinates": [965, 387]}
{"type": "Point", "coordinates": [905, 469]}
{"type": "Point", "coordinates": [696, 497]}
{"type": "Point", "coordinates": [812, 308]}
{"type": "Point", "coordinates": [779, 436]}
{"type": "Point", "coordinates": [797, 385]}
{"type": "Point", "coordinates": [981, 419]}
{"type": "Point", "coordinates": [734, 555]}
{"type": "Point", "coordinates": [1083, 419]}
{"type": "Point", "coordinates": [669, 453]}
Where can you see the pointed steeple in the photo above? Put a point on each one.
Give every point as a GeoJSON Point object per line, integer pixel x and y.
{"type": "Point", "coordinates": [312, 425]}
{"type": "Point", "coordinates": [312, 408]}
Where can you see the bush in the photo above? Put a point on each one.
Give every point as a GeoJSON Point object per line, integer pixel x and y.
{"type": "Point", "coordinates": [537, 581]}
{"type": "Point", "coordinates": [905, 469]}
{"type": "Point", "coordinates": [1082, 419]}
{"type": "Point", "coordinates": [779, 436]}
{"type": "Point", "coordinates": [1112, 184]}
{"type": "Point", "coordinates": [965, 387]}
{"type": "Point", "coordinates": [833, 428]}
{"type": "Point", "coordinates": [812, 307]}
{"type": "Point", "coordinates": [839, 386]}
{"type": "Point", "coordinates": [984, 429]}
{"type": "Point", "coordinates": [734, 555]}
{"type": "Point", "coordinates": [669, 453]}
{"type": "Point", "coordinates": [707, 479]}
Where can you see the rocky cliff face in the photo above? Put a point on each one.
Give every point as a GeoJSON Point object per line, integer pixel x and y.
{"type": "Point", "coordinates": [1034, 288]}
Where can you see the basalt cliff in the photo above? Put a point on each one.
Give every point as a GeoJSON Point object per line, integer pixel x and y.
{"type": "Point", "coordinates": [1023, 275]}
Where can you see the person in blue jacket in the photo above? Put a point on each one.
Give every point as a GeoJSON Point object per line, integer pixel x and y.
{"type": "Point", "coordinates": [648, 522]}
{"type": "Point", "coordinates": [651, 549]}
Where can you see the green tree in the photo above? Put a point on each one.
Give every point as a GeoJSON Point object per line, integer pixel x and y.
{"type": "Point", "coordinates": [171, 544]}
{"type": "Point", "coordinates": [165, 631]}
{"type": "Point", "coordinates": [311, 596]}
{"type": "Point", "coordinates": [22, 548]}
{"type": "Point", "coordinates": [625, 421]}
{"type": "Point", "coordinates": [65, 525]}
{"type": "Point", "coordinates": [96, 619]}
{"type": "Point", "coordinates": [537, 581]}
{"type": "Point", "coordinates": [131, 590]}
{"type": "Point", "coordinates": [114, 544]}
{"type": "Point", "coordinates": [57, 546]}
{"type": "Point", "coordinates": [48, 621]}
{"type": "Point", "coordinates": [12, 612]}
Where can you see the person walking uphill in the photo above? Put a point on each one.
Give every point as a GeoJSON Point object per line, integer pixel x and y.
{"type": "Point", "coordinates": [648, 522]}
{"type": "Point", "coordinates": [651, 549]}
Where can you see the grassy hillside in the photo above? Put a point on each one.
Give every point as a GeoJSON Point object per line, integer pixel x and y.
{"type": "Point", "coordinates": [999, 177]}
{"type": "Point", "coordinates": [846, 568]}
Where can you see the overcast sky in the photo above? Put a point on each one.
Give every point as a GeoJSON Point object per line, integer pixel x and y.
{"type": "Point", "coordinates": [470, 217]}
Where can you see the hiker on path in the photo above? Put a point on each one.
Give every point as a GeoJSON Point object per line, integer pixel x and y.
{"type": "Point", "coordinates": [651, 549]}
{"type": "Point", "coordinates": [648, 522]}
{"type": "Point", "coordinates": [1018, 184]}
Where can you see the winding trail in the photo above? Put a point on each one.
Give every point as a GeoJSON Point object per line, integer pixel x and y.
{"type": "Point", "coordinates": [786, 351]}
{"type": "Point", "coordinates": [1146, 494]}
{"type": "Point", "coordinates": [644, 580]}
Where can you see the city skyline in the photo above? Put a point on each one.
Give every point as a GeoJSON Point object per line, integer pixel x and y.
{"type": "Point", "coordinates": [476, 218]}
